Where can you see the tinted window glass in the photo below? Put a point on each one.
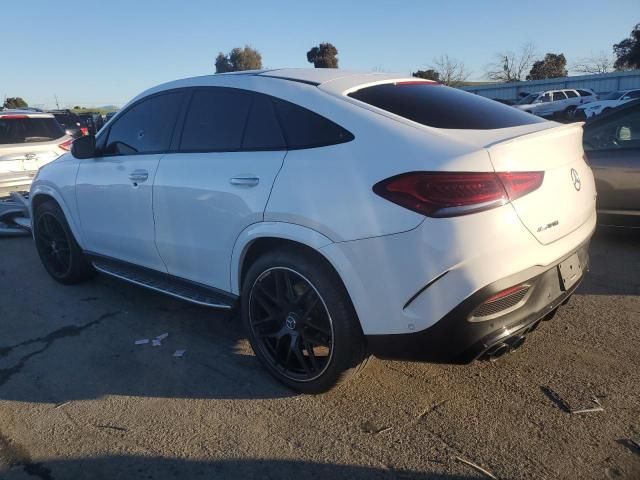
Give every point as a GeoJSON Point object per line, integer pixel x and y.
{"type": "Point", "coordinates": [616, 132]}
{"type": "Point", "coordinates": [67, 120]}
{"type": "Point", "coordinates": [545, 98]}
{"type": "Point", "coordinates": [28, 130]}
{"type": "Point", "coordinates": [146, 127]}
{"type": "Point", "coordinates": [571, 93]}
{"type": "Point", "coordinates": [305, 129]}
{"type": "Point", "coordinates": [584, 93]}
{"type": "Point", "coordinates": [558, 96]}
{"type": "Point", "coordinates": [634, 94]}
{"type": "Point", "coordinates": [215, 120]}
{"type": "Point", "coordinates": [262, 131]}
{"type": "Point", "coordinates": [443, 107]}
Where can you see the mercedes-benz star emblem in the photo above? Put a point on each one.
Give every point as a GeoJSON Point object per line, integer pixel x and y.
{"type": "Point", "coordinates": [575, 178]}
{"type": "Point", "coordinates": [291, 322]}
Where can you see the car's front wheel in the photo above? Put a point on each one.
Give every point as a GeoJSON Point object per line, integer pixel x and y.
{"type": "Point", "coordinates": [300, 321]}
{"type": "Point", "coordinates": [58, 250]}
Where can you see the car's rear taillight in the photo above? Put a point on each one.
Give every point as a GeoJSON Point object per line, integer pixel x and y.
{"type": "Point", "coordinates": [450, 194]}
{"type": "Point", "coordinates": [66, 145]}
{"type": "Point", "coordinates": [85, 131]}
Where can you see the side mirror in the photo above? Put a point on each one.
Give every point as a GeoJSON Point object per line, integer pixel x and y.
{"type": "Point", "coordinates": [84, 147]}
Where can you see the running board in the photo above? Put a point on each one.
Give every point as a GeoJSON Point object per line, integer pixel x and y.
{"type": "Point", "coordinates": [164, 283]}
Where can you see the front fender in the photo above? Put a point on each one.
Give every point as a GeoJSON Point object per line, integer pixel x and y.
{"type": "Point", "coordinates": [280, 230]}
{"type": "Point", "coordinates": [65, 200]}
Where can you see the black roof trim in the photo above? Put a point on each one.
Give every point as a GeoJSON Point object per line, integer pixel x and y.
{"type": "Point", "coordinates": [308, 82]}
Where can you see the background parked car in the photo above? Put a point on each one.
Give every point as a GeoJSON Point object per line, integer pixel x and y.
{"type": "Point", "coordinates": [607, 102]}
{"type": "Point", "coordinates": [98, 121]}
{"type": "Point", "coordinates": [612, 146]}
{"type": "Point", "coordinates": [28, 140]}
{"type": "Point", "coordinates": [69, 121]}
{"type": "Point", "coordinates": [87, 125]}
{"type": "Point", "coordinates": [556, 103]}
{"type": "Point", "coordinates": [109, 116]}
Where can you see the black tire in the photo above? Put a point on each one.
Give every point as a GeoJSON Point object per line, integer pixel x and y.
{"type": "Point", "coordinates": [59, 252]}
{"type": "Point", "coordinates": [312, 301]}
{"type": "Point", "coordinates": [570, 112]}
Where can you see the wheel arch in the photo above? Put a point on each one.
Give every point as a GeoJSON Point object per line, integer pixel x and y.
{"type": "Point", "coordinates": [40, 194]}
{"type": "Point", "coordinates": [260, 237]}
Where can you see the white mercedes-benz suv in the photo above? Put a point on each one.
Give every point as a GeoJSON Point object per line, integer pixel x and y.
{"type": "Point", "coordinates": [345, 214]}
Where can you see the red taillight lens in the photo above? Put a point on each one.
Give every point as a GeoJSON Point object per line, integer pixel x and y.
{"type": "Point", "coordinates": [66, 145]}
{"type": "Point", "coordinates": [85, 131]}
{"type": "Point", "coordinates": [450, 194]}
{"type": "Point", "coordinates": [518, 184]}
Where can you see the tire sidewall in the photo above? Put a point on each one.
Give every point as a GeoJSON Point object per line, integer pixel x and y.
{"type": "Point", "coordinates": [348, 342]}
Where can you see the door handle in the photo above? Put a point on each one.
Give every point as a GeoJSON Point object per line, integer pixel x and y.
{"type": "Point", "coordinates": [245, 181]}
{"type": "Point", "coordinates": [139, 175]}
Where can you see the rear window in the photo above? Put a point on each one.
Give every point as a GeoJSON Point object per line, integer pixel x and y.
{"type": "Point", "coordinates": [66, 120]}
{"type": "Point", "coordinates": [438, 106]}
{"type": "Point", "coordinates": [29, 130]}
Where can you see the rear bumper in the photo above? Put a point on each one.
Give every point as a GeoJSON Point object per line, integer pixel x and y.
{"type": "Point", "coordinates": [455, 339]}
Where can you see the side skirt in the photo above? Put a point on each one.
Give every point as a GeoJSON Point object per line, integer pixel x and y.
{"type": "Point", "coordinates": [163, 282]}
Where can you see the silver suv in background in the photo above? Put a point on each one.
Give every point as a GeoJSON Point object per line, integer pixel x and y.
{"type": "Point", "coordinates": [556, 103]}
{"type": "Point", "coordinates": [28, 140]}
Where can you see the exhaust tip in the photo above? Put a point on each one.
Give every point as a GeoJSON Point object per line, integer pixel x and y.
{"type": "Point", "coordinates": [516, 341]}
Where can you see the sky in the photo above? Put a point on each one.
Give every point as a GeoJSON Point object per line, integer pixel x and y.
{"type": "Point", "coordinates": [102, 52]}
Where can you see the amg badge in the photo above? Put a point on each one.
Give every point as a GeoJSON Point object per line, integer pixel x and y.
{"type": "Point", "coordinates": [548, 226]}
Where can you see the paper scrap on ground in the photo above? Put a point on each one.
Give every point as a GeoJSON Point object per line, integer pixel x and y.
{"type": "Point", "coordinates": [156, 343]}
{"type": "Point", "coordinates": [162, 337]}
{"type": "Point", "coordinates": [142, 341]}
{"type": "Point", "coordinates": [178, 353]}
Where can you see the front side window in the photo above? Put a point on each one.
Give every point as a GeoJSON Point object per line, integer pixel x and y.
{"type": "Point", "coordinates": [621, 131]}
{"type": "Point", "coordinates": [146, 127]}
{"type": "Point", "coordinates": [438, 106]}
{"type": "Point", "coordinates": [544, 98]}
{"type": "Point", "coordinates": [559, 96]}
{"type": "Point", "coordinates": [215, 120]}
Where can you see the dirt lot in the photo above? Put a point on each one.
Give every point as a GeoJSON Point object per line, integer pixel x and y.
{"type": "Point", "coordinates": [79, 400]}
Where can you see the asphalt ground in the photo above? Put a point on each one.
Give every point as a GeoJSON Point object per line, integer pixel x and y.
{"type": "Point", "coordinates": [79, 400]}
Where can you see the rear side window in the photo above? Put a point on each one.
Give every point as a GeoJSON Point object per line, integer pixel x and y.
{"type": "Point", "coordinates": [146, 127]}
{"type": "Point", "coordinates": [571, 93]}
{"type": "Point", "coordinates": [584, 93]}
{"type": "Point", "coordinates": [438, 106]}
{"type": "Point", "coordinates": [215, 120]}
{"type": "Point", "coordinates": [262, 131]}
{"type": "Point", "coordinates": [306, 129]}
{"type": "Point", "coordinates": [28, 130]}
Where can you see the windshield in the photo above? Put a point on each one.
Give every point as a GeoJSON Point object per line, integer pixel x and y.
{"type": "Point", "coordinates": [528, 99]}
{"type": "Point", "coordinates": [612, 95]}
{"type": "Point", "coordinates": [28, 130]}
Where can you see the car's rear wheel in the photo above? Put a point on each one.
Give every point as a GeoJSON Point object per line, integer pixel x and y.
{"type": "Point", "coordinates": [570, 112]}
{"type": "Point", "coordinates": [58, 250]}
{"type": "Point", "coordinates": [300, 321]}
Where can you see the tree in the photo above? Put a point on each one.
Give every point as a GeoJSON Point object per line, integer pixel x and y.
{"type": "Point", "coordinates": [239, 59]}
{"type": "Point", "coordinates": [450, 71]}
{"type": "Point", "coordinates": [511, 66]}
{"type": "Point", "coordinates": [627, 52]}
{"type": "Point", "coordinates": [323, 56]}
{"type": "Point", "coordinates": [15, 102]}
{"type": "Point", "coordinates": [553, 65]}
{"type": "Point", "coordinates": [429, 74]}
{"type": "Point", "coordinates": [599, 63]}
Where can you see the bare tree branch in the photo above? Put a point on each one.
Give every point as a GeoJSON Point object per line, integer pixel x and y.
{"type": "Point", "coordinates": [599, 63]}
{"type": "Point", "coordinates": [512, 66]}
{"type": "Point", "coordinates": [451, 71]}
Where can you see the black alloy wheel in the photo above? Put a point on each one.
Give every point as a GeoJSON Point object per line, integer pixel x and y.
{"type": "Point", "coordinates": [291, 324]}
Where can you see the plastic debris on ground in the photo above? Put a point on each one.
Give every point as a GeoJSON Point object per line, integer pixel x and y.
{"type": "Point", "coordinates": [179, 353]}
{"type": "Point", "coordinates": [14, 215]}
